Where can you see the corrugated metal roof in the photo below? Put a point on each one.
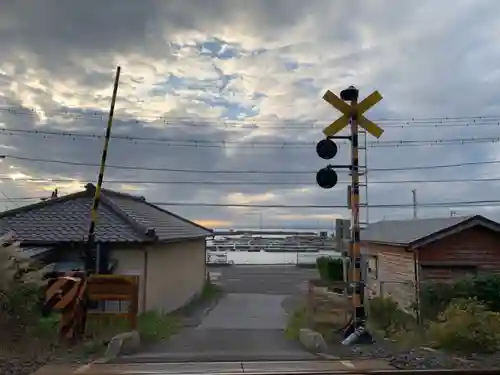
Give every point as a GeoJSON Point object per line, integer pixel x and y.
{"type": "Point", "coordinates": [121, 218]}
{"type": "Point", "coordinates": [407, 231]}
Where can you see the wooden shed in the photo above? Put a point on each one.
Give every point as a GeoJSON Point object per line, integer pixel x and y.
{"type": "Point", "coordinates": [400, 255]}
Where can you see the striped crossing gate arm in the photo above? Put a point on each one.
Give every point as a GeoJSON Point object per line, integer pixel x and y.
{"type": "Point", "coordinates": [74, 316]}
{"type": "Point", "coordinates": [57, 288]}
{"type": "Point", "coordinates": [68, 294]}
{"type": "Point", "coordinates": [79, 310]}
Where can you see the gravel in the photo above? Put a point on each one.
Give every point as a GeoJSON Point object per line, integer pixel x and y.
{"type": "Point", "coordinates": [19, 366]}
{"type": "Point", "coordinates": [26, 359]}
{"type": "Point", "coordinates": [417, 358]}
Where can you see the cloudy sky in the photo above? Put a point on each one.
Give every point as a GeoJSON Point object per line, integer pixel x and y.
{"type": "Point", "coordinates": [215, 86]}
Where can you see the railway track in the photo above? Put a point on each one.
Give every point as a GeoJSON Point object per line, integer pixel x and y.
{"type": "Point", "coordinates": [361, 367]}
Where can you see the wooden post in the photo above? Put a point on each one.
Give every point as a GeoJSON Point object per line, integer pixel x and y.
{"type": "Point", "coordinates": [133, 304]}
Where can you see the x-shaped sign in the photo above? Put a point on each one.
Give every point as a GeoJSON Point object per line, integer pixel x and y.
{"type": "Point", "coordinates": [348, 111]}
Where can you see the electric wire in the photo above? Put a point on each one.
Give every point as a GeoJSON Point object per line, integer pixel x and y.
{"type": "Point", "coordinates": [210, 143]}
{"type": "Point", "coordinates": [476, 203]}
{"type": "Point", "coordinates": [183, 121]}
{"type": "Point", "coordinates": [244, 183]}
{"type": "Point", "coordinates": [217, 171]}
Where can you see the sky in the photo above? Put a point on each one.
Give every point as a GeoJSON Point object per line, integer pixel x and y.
{"type": "Point", "coordinates": [236, 86]}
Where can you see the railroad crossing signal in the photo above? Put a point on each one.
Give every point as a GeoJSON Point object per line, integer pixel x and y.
{"type": "Point", "coordinates": [352, 114]}
{"type": "Point", "coordinates": [350, 111]}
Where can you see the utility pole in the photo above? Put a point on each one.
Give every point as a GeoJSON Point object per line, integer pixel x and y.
{"type": "Point", "coordinates": [327, 178]}
{"type": "Point", "coordinates": [89, 257]}
{"type": "Point", "coordinates": [414, 193]}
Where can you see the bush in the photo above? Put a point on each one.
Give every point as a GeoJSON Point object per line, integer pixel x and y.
{"type": "Point", "coordinates": [385, 316]}
{"type": "Point", "coordinates": [466, 325]}
{"type": "Point", "coordinates": [20, 287]}
{"type": "Point", "coordinates": [330, 269]}
{"type": "Point", "coordinates": [435, 297]}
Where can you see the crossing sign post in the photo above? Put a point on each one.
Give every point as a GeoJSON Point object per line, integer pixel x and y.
{"type": "Point", "coordinates": [352, 114]}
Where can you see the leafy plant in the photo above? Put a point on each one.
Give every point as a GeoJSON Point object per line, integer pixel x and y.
{"type": "Point", "coordinates": [330, 269]}
{"type": "Point", "coordinates": [435, 297]}
{"type": "Point", "coordinates": [466, 325]}
{"type": "Point", "coordinates": [20, 286]}
{"type": "Point", "coordinates": [386, 316]}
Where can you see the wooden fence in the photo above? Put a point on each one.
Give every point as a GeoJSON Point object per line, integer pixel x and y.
{"type": "Point", "coordinates": [328, 304]}
{"type": "Point", "coordinates": [115, 288]}
{"type": "Point", "coordinates": [68, 294]}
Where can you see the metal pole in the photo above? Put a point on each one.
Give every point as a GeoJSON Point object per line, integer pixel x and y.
{"type": "Point", "coordinates": [90, 263]}
{"type": "Point", "coordinates": [367, 207]}
{"type": "Point", "coordinates": [414, 192]}
{"type": "Point", "coordinates": [355, 227]}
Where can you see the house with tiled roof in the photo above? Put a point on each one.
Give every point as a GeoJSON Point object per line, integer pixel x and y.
{"type": "Point", "coordinates": [400, 255]}
{"type": "Point", "coordinates": [133, 237]}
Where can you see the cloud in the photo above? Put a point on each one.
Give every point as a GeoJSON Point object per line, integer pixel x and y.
{"type": "Point", "coordinates": [246, 73]}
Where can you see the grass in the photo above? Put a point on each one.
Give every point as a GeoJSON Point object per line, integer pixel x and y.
{"type": "Point", "coordinates": [210, 291]}
{"type": "Point", "coordinates": [154, 326]}
{"type": "Point", "coordinates": [296, 321]}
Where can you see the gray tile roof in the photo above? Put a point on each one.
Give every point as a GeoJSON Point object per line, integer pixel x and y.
{"type": "Point", "coordinates": [407, 231]}
{"type": "Point", "coordinates": [33, 251]}
{"type": "Point", "coordinates": [121, 218]}
{"type": "Point", "coordinates": [166, 224]}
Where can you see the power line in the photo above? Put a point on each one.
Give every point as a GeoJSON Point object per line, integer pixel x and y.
{"type": "Point", "coordinates": [180, 170]}
{"type": "Point", "coordinates": [401, 205]}
{"type": "Point", "coordinates": [245, 183]}
{"type": "Point", "coordinates": [207, 143]}
{"type": "Point", "coordinates": [184, 121]}
{"type": "Point", "coordinates": [476, 203]}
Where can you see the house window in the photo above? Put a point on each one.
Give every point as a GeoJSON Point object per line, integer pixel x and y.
{"type": "Point", "coordinates": [373, 267]}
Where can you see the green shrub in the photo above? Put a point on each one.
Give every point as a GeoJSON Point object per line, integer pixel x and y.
{"type": "Point", "coordinates": [330, 269]}
{"type": "Point", "coordinates": [385, 316]}
{"type": "Point", "coordinates": [467, 326]}
{"type": "Point", "coordinates": [435, 297]}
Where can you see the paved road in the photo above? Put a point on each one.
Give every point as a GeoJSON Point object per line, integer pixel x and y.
{"type": "Point", "coordinates": [281, 280]}
{"type": "Point", "coordinates": [248, 323]}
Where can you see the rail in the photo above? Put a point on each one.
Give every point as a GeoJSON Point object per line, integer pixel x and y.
{"type": "Point", "coordinates": [146, 369]}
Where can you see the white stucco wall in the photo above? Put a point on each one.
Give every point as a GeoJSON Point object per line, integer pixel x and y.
{"type": "Point", "coordinates": [175, 273]}
{"type": "Point", "coordinates": [130, 262]}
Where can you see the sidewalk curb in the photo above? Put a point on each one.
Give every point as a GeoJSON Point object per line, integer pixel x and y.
{"type": "Point", "coordinates": [313, 341]}
{"type": "Point", "coordinates": [123, 343]}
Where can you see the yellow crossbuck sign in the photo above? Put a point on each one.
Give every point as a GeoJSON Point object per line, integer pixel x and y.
{"type": "Point", "coordinates": [349, 110]}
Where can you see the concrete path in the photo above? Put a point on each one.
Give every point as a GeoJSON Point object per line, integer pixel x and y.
{"type": "Point", "coordinates": [241, 327]}
{"type": "Point", "coordinates": [279, 280]}
{"type": "Point", "coordinates": [247, 311]}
